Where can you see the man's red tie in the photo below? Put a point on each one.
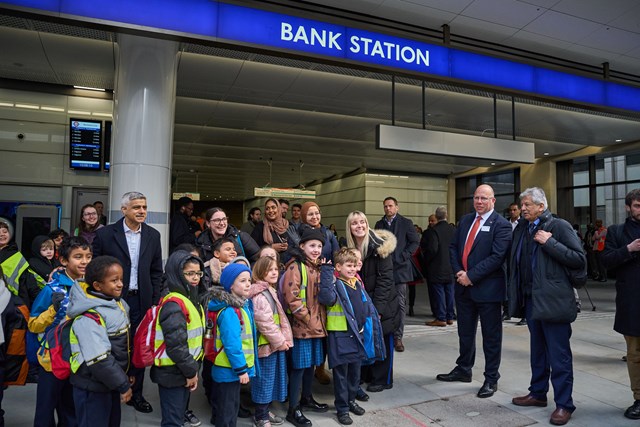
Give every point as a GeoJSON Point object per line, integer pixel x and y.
{"type": "Point", "coordinates": [469, 243]}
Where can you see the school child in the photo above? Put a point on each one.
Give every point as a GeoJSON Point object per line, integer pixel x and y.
{"type": "Point", "coordinates": [234, 365]}
{"type": "Point", "coordinates": [300, 286]}
{"type": "Point", "coordinates": [42, 262]}
{"type": "Point", "coordinates": [175, 370]}
{"type": "Point", "coordinates": [353, 327]}
{"type": "Point", "coordinates": [7, 314]}
{"type": "Point", "coordinates": [224, 250]}
{"type": "Point", "coordinates": [58, 235]}
{"type": "Point", "coordinates": [47, 311]}
{"type": "Point", "coordinates": [100, 350]}
{"type": "Point", "coordinates": [274, 339]}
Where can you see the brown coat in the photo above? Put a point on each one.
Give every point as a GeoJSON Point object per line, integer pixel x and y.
{"type": "Point", "coordinates": [308, 318]}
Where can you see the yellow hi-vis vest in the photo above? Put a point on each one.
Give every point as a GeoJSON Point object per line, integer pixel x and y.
{"type": "Point", "coordinates": [303, 286]}
{"type": "Point", "coordinates": [262, 340]}
{"type": "Point", "coordinates": [195, 332]}
{"type": "Point", "coordinates": [336, 319]}
{"type": "Point", "coordinates": [246, 335]}
{"type": "Point", "coordinates": [13, 267]}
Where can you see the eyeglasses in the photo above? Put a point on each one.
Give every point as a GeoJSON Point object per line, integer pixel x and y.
{"type": "Point", "coordinates": [191, 274]}
{"type": "Point", "coordinates": [218, 221]}
{"type": "Point", "coordinates": [91, 214]}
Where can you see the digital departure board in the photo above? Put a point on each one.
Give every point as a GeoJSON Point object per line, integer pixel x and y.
{"type": "Point", "coordinates": [85, 137]}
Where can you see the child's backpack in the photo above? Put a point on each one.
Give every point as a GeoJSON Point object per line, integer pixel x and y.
{"type": "Point", "coordinates": [145, 337]}
{"type": "Point", "coordinates": [303, 286]}
{"type": "Point", "coordinates": [57, 342]}
{"type": "Point", "coordinates": [211, 331]}
{"type": "Point", "coordinates": [16, 366]}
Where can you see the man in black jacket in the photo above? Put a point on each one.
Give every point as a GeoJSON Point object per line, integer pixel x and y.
{"type": "Point", "coordinates": [137, 246]}
{"type": "Point", "coordinates": [435, 249]}
{"type": "Point", "coordinates": [408, 241]}
{"type": "Point", "coordinates": [179, 230]}
{"type": "Point", "coordinates": [622, 252]}
{"type": "Point", "coordinates": [540, 289]}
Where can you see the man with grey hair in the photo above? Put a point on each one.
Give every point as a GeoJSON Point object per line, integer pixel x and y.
{"type": "Point", "coordinates": [439, 274]}
{"type": "Point", "coordinates": [544, 249]}
{"type": "Point", "coordinates": [137, 246]}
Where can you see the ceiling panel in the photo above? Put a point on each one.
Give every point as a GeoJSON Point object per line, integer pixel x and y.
{"type": "Point", "coordinates": [596, 10]}
{"type": "Point", "coordinates": [562, 27]}
{"type": "Point", "coordinates": [510, 13]}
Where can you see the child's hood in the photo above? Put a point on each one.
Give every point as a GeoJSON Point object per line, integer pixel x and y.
{"type": "Point", "coordinates": [80, 301]}
{"type": "Point", "coordinates": [35, 247]}
{"type": "Point", "coordinates": [219, 299]}
{"type": "Point", "coordinates": [257, 288]}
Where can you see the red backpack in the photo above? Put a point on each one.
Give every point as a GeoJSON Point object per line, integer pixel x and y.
{"type": "Point", "coordinates": [58, 344]}
{"type": "Point", "coordinates": [145, 337]}
{"type": "Point", "coordinates": [210, 332]}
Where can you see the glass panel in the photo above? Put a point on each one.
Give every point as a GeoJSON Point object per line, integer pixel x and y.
{"type": "Point", "coordinates": [610, 204]}
{"type": "Point", "coordinates": [581, 208]}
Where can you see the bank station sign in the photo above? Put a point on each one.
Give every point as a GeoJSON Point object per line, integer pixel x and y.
{"type": "Point", "coordinates": [218, 21]}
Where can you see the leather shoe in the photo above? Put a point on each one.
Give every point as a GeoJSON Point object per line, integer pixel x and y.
{"type": "Point", "coordinates": [449, 322]}
{"type": "Point", "coordinates": [297, 418]}
{"type": "Point", "coordinates": [345, 419]}
{"type": "Point", "coordinates": [321, 375]}
{"type": "Point", "coordinates": [560, 417]}
{"type": "Point", "coordinates": [354, 408]}
{"type": "Point", "coordinates": [361, 395]}
{"type": "Point", "coordinates": [455, 375]}
{"type": "Point", "coordinates": [487, 389]}
{"type": "Point", "coordinates": [310, 403]}
{"type": "Point", "coordinates": [140, 404]}
{"type": "Point", "coordinates": [506, 316]}
{"type": "Point", "coordinates": [398, 345]}
{"type": "Point", "coordinates": [436, 322]}
{"type": "Point", "coordinates": [633, 411]}
{"type": "Point", "coordinates": [522, 322]}
{"type": "Point", "coordinates": [528, 400]}
{"type": "Point", "coordinates": [377, 388]}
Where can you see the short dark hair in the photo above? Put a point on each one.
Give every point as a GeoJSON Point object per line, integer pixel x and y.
{"type": "Point", "coordinates": [184, 201]}
{"type": "Point", "coordinates": [98, 267]}
{"type": "Point", "coordinates": [218, 243]}
{"type": "Point", "coordinates": [632, 196]}
{"type": "Point", "coordinates": [283, 201]}
{"type": "Point", "coordinates": [187, 247]}
{"type": "Point", "coordinates": [71, 243]}
{"type": "Point", "coordinates": [514, 204]}
{"type": "Point", "coordinates": [296, 205]}
{"type": "Point", "coordinates": [57, 233]}
{"type": "Point", "coordinates": [98, 201]}
{"type": "Point", "coordinates": [390, 198]}
{"type": "Point", "coordinates": [251, 212]}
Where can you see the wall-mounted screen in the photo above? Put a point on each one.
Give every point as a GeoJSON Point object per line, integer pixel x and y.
{"type": "Point", "coordinates": [106, 164]}
{"type": "Point", "coordinates": [85, 138]}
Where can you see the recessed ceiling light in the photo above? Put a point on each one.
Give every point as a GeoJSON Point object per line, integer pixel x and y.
{"type": "Point", "coordinates": [618, 140]}
{"type": "Point", "coordinates": [84, 113]}
{"type": "Point", "coordinates": [89, 88]}
{"type": "Point", "coordinates": [6, 104]}
{"type": "Point", "coordinates": [58, 109]}
{"type": "Point", "coordinates": [28, 106]}
{"type": "Point", "coordinates": [545, 154]}
{"type": "Point", "coordinates": [493, 163]}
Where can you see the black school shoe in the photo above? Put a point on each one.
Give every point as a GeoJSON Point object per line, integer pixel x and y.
{"type": "Point", "coordinates": [310, 403]}
{"type": "Point", "coordinates": [345, 419]}
{"type": "Point", "coordinates": [140, 404]}
{"type": "Point", "coordinates": [361, 395]}
{"type": "Point", "coordinates": [297, 418]}
{"type": "Point", "coordinates": [356, 409]}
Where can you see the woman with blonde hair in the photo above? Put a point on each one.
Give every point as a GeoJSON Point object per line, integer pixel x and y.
{"type": "Point", "coordinates": [376, 247]}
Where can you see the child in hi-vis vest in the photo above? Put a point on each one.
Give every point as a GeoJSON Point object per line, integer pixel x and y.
{"type": "Point", "coordinates": [235, 363]}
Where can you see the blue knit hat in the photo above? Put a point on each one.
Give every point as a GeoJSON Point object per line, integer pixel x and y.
{"type": "Point", "coordinates": [230, 273]}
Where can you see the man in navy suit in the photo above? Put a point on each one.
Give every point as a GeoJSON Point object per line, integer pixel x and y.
{"type": "Point", "coordinates": [137, 246]}
{"type": "Point", "coordinates": [478, 252]}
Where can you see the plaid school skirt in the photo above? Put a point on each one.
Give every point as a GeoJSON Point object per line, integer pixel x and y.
{"type": "Point", "coordinates": [307, 352]}
{"type": "Point", "coordinates": [271, 383]}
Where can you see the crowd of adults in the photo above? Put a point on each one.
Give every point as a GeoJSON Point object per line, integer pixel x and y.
{"type": "Point", "coordinates": [486, 269]}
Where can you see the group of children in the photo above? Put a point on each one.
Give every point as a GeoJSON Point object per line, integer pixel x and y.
{"type": "Point", "coordinates": [262, 326]}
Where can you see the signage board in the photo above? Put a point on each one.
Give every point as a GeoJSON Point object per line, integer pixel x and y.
{"type": "Point", "coordinates": [289, 193]}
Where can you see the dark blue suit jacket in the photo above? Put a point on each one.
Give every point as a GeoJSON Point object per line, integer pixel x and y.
{"type": "Point", "coordinates": [486, 259]}
{"type": "Point", "coordinates": [110, 240]}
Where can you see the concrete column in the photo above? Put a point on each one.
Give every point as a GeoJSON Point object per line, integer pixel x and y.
{"type": "Point", "coordinates": [143, 120]}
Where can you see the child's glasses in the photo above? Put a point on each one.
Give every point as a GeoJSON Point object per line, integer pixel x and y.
{"type": "Point", "coordinates": [191, 274]}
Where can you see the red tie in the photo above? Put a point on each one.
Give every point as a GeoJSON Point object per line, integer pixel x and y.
{"type": "Point", "coordinates": [469, 243]}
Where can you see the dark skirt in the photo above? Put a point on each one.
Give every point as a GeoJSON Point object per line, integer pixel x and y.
{"type": "Point", "coordinates": [271, 383]}
{"type": "Point", "coordinates": [307, 352]}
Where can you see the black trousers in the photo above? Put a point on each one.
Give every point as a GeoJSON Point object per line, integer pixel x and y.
{"type": "Point", "coordinates": [346, 381]}
{"type": "Point", "coordinates": [173, 403]}
{"type": "Point", "coordinates": [381, 372]}
{"type": "Point", "coordinates": [135, 315]}
{"type": "Point", "coordinates": [54, 395]}
{"type": "Point", "coordinates": [97, 409]}
{"type": "Point", "coordinates": [227, 400]}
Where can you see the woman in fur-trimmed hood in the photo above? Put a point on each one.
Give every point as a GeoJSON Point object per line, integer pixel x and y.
{"type": "Point", "coordinates": [376, 247]}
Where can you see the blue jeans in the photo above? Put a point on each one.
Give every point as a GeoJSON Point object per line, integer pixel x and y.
{"type": "Point", "coordinates": [173, 403]}
{"type": "Point", "coordinates": [443, 300]}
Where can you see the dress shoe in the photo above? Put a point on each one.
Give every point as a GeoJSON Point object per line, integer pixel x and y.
{"type": "Point", "coordinates": [140, 404]}
{"type": "Point", "coordinates": [356, 409]}
{"type": "Point", "coordinates": [398, 345]}
{"type": "Point", "coordinates": [450, 322]}
{"type": "Point", "coordinates": [361, 395]}
{"type": "Point", "coordinates": [322, 376]}
{"type": "Point", "coordinates": [377, 388]}
{"type": "Point", "coordinates": [522, 322]}
{"type": "Point", "coordinates": [436, 322]}
{"type": "Point", "coordinates": [487, 390]}
{"type": "Point", "coordinates": [560, 417]}
{"type": "Point", "coordinates": [411, 313]}
{"type": "Point", "coordinates": [528, 400]}
{"type": "Point", "coordinates": [345, 419]}
{"type": "Point", "coordinates": [310, 403]}
{"type": "Point", "coordinates": [633, 411]}
{"type": "Point", "coordinates": [506, 316]}
{"type": "Point", "coordinates": [455, 375]}
{"type": "Point", "coordinates": [297, 418]}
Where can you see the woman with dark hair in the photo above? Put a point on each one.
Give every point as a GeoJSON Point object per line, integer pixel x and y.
{"type": "Point", "coordinates": [376, 247]}
{"type": "Point", "coordinates": [88, 224]}
{"type": "Point", "coordinates": [274, 230]}
{"type": "Point", "coordinates": [218, 227]}
{"type": "Point", "coordinates": [311, 217]}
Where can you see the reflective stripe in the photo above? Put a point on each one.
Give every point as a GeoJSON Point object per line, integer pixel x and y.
{"type": "Point", "coordinates": [336, 320]}
{"type": "Point", "coordinates": [13, 267]}
{"type": "Point", "coordinates": [76, 356]}
{"type": "Point", "coordinates": [195, 331]}
{"type": "Point", "coordinates": [246, 335]}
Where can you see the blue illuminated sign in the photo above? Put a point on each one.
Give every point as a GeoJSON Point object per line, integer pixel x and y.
{"type": "Point", "coordinates": [211, 19]}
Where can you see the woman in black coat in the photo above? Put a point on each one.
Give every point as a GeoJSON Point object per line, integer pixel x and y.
{"type": "Point", "coordinates": [218, 227]}
{"type": "Point", "coordinates": [376, 248]}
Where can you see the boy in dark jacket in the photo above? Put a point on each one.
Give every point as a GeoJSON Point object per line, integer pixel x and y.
{"type": "Point", "coordinates": [100, 350]}
{"type": "Point", "coordinates": [42, 262]}
{"type": "Point", "coordinates": [175, 369]}
{"type": "Point", "coordinates": [353, 325]}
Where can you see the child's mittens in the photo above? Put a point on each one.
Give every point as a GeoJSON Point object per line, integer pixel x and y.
{"type": "Point", "coordinates": [56, 299]}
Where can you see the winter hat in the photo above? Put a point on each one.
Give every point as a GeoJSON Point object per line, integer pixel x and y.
{"type": "Point", "coordinates": [305, 208]}
{"type": "Point", "coordinates": [240, 259]}
{"type": "Point", "coordinates": [312, 234]}
{"type": "Point", "coordinates": [230, 273]}
{"type": "Point", "coordinates": [9, 225]}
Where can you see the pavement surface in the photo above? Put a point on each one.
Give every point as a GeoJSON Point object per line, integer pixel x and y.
{"type": "Point", "coordinates": [601, 382]}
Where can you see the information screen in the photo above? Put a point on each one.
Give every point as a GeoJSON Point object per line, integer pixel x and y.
{"type": "Point", "coordinates": [85, 144]}
{"type": "Point", "coordinates": [107, 145]}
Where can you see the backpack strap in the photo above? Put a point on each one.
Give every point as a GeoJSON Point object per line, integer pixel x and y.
{"type": "Point", "coordinates": [240, 244]}
{"type": "Point", "coordinates": [178, 301]}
